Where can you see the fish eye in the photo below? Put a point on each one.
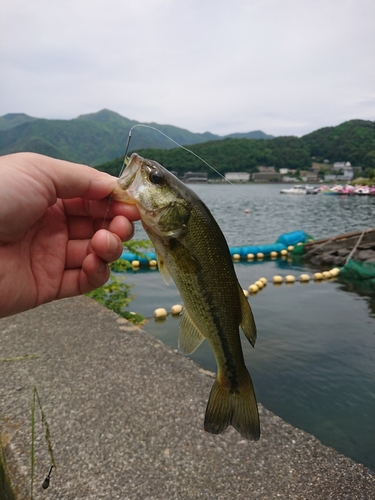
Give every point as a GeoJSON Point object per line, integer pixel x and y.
{"type": "Point", "coordinates": [156, 177]}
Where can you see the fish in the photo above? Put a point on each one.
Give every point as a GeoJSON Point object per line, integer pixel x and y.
{"type": "Point", "coordinates": [192, 250]}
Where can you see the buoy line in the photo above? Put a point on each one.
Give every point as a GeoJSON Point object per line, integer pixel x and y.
{"type": "Point", "coordinates": [290, 279]}
{"type": "Point", "coordinates": [161, 313]}
{"type": "Point", "coordinates": [284, 245]}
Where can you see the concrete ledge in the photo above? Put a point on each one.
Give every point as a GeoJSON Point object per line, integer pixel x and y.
{"type": "Point", "coordinates": [126, 419]}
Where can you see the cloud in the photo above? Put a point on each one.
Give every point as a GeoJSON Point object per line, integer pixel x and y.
{"type": "Point", "coordinates": [220, 65]}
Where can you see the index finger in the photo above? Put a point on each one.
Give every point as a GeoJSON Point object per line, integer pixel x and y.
{"type": "Point", "coordinates": [106, 208]}
{"type": "Point", "coordinates": [63, 179]}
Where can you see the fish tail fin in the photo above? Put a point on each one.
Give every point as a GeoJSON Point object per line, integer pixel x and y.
{"type": "Point", "coordinates": [237, 407]}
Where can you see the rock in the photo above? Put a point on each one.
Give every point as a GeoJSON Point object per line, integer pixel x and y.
{"type": "Point", "coordinates": [339, 261]}
{"type": "Point", "coordinates": [365, 255]}
{"type": "Point", "coordinates": [343, 252]}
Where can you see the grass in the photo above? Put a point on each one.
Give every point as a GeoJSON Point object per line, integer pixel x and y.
{"type": "Point", "coordinates": [47, 436]}
{"type": "Point", "coordinates": [6, 492]}
{"type": "Point", "coordinates": [115, 294]}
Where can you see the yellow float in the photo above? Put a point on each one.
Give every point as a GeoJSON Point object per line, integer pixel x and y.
{"type": "Point", "coordinates": [277, 279]}
{"type": "Point", "coordinates": [160, 313]}
{"type": "Point", "coordinates": [176, 309]}
{"type": "Point", "coordinates": [335, 272]}
{"type": "Point", "coordinates": [304, 278]}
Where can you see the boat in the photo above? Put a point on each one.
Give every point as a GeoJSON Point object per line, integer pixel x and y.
{"type": "Point", "coordinates": [297, 189]}
{"type": "Point", "coordinates": [337, 189]}
{"type": "Point", "coordinates": [362, 190]}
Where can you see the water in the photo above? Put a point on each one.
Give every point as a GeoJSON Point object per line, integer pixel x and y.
{"type": "Point", "coordinates": [314, 361]}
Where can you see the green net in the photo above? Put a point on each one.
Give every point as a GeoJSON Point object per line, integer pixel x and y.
{"type": "Point", "coordinates": [298, 249]}
{"type": "Point", "coordinates": [354, 270]}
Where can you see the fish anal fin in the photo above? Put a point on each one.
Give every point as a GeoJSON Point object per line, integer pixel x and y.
{"type": "Point", "coordinates": [163, 269]}
{"type": "Point", "coordinates": [233, 407]}
{"type": "Point", "coordinates": [247, 319]}
{"type": "Point", "coordinates": [190, 338]}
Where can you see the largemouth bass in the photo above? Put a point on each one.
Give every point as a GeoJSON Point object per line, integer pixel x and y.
{"type": "Point", "coordinates": [191, 249]}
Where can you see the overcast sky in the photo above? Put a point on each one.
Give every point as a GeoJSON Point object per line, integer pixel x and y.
{"type": "Point", "coordinates": [286, 67]}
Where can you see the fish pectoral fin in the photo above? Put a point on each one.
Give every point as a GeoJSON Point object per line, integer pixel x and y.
{"type": "Point", "coordinates": [163, 269]}
{"type": "Point", "coordinates": [247, 319]}
{"type": "Point", "coordinates": [190, 338]}
{"type": "Point", "coordinates": [187, 263]}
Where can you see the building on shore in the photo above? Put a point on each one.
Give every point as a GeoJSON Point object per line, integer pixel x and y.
{"type": "Point", "coordinates": [308, 176]}
{"type": "Point", "coordinates": [266, 174]}
{"type": "Point", "coordinates": [195, 177]}
{"type": "Point", "coordinates": [237, 176]}
{"type": "Point", "coordinates": [341, 171]}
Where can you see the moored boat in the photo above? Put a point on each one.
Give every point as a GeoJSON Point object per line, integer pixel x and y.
{"type": "Point", "coordinates": [297, 189]}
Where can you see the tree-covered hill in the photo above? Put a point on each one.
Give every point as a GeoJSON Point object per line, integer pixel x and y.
{"type": "Point", "coordinates": [93, 138]}
{"type": "Point", "coordinates": [228, 155]}
{"type": "Point", "coordinates": [352, 141]}
{"type": "Point", "coordinates": [98, 138]}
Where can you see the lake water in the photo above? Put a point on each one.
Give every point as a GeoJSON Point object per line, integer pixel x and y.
{"type": "Point", "coordinates": [314, 360]}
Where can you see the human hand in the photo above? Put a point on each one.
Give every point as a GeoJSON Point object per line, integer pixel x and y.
{"type": "Point", "coordinates": [57, 230]}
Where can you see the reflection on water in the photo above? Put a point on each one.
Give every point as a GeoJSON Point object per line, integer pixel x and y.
{"type": "Point", "coordinates": [314, 360]}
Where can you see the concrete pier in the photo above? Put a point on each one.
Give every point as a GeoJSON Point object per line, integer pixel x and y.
{"type": "Point", "coordinates": [125, 414]}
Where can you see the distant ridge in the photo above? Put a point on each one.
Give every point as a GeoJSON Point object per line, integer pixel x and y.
{"type": "Point", "coordinates": [12, 120]}
{"type": "Point", "coordinates": [352, 141]}
{"type": "Point", "coordinates": [93, 138]}
{"type": "Point", "coordinates": [257, 134]}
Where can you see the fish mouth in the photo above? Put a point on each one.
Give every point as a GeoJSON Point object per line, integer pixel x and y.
{"type": "Point", "coordinates": [129, 181]}
{"type": "Point", "coordinates": [126, 196]}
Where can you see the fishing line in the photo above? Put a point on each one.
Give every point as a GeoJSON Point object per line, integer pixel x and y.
{"type": "Point", "coordinates": [185, 149]}
{"type": "Point", "coordinates": [177, 144]}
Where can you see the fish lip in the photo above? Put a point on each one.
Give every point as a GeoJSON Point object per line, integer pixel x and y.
{"type": "Point", "coordinates": [124, 191]}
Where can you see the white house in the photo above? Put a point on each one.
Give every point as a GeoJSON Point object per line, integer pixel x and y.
{"type": "Point", "coordinates": [346, 168]}
{"type": "Point", "coordinates": [341, 166]}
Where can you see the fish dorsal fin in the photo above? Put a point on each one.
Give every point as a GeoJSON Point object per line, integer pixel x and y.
{"type": "Point", "coordinates": [247, 319]}
{"type": "Point", "coordinates": [190, 338]}
{"type": "Point", "coordinates": [163, 269]}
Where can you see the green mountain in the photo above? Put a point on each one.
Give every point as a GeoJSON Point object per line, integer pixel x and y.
{"type": "Point", "coordinates": [92, 138]}
{"type": "Point", "coordinates": [256, 134]}
{"type": "Point", "coordinates": [12, 120]}
{"type": "Point", "coordinates": [352, 141]}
